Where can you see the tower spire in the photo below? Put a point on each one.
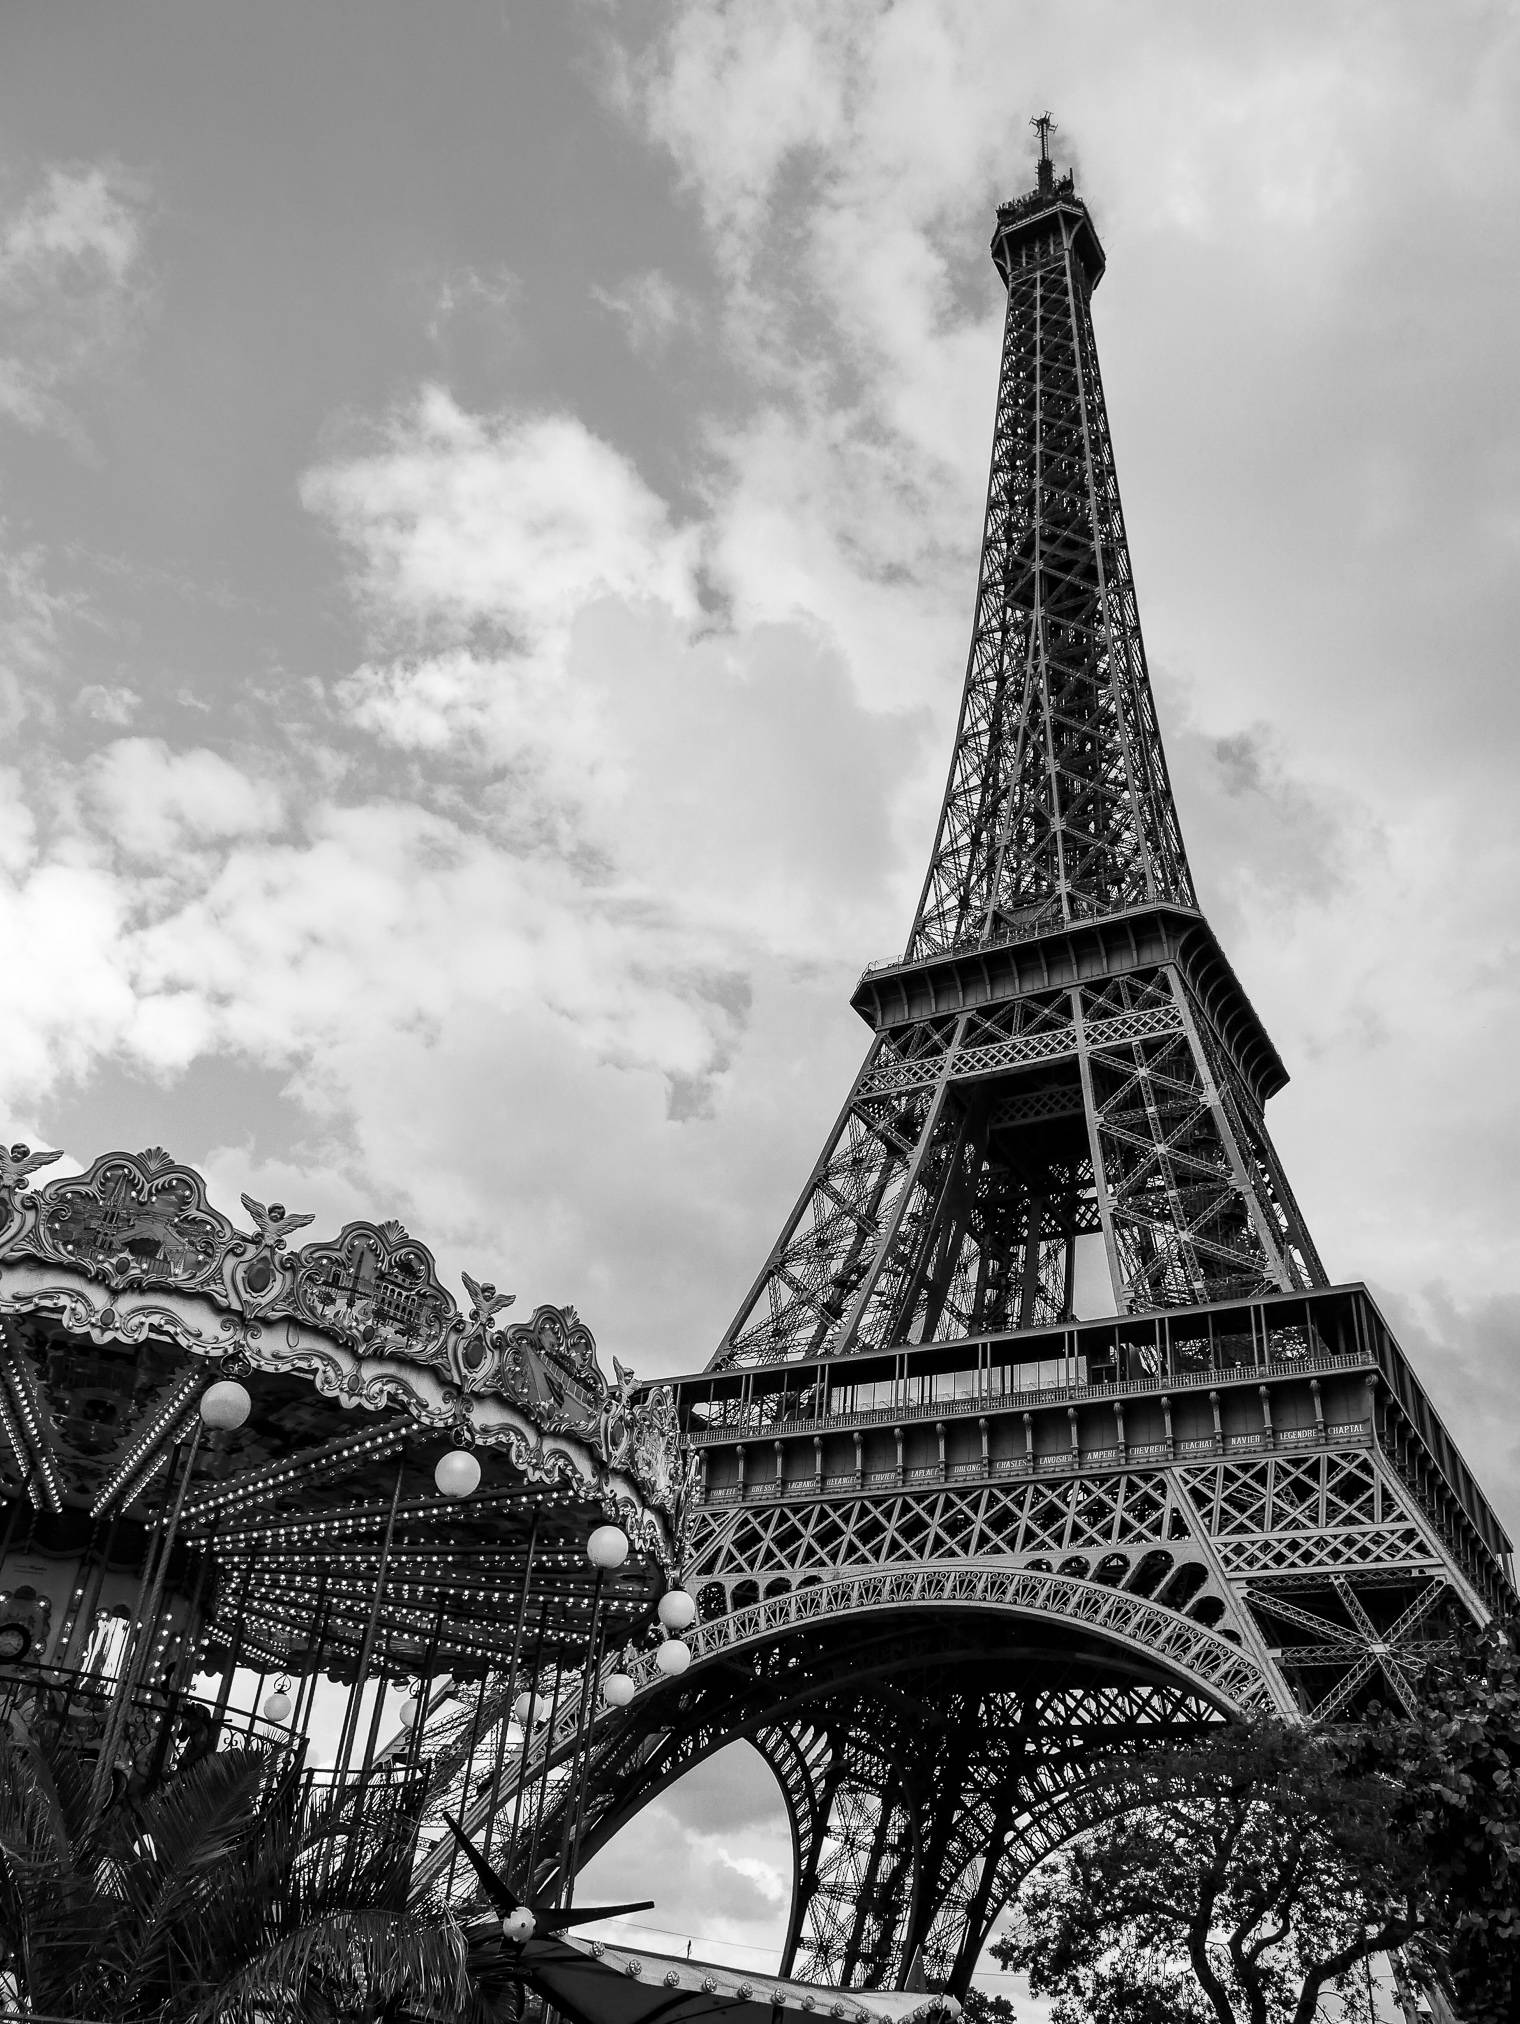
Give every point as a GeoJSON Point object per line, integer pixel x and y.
{"type": "Point", "coordinates": [1062, 1053]}
{"type": "Point", "coordinates": [1044, 126]}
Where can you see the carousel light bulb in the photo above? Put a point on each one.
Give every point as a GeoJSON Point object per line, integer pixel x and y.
{"type": "Point", "coordinates": [673, 1657]}
{"type": "Point", "coordinates": [618, 1689]}
{"type": "Point", "coordinates": [607, 1547]}
{"type": "Point", "coordinates": [678, 1610]}
{"type": "Point", "coordinates": [457, 1473]}
{"type": "Point", "coordinates": [225, 1405]}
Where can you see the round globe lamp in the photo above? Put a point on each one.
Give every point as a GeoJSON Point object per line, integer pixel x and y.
{"type": "Point", "coordinates": [607, 1547]}
{"type": "Point", "coordinates": [225, 1405]}
{"type": "Point", "coordinates": [678, 1610]}
{"type": "Point", "coordinates": [458, 1473]}
{"type": "Point", "coordinates": [673, 1657]}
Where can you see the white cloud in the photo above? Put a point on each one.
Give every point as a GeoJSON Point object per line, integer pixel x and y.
{"type": "Point", "coordinates": [709, 1859]}
{"type": "Point", "coordinates": [70, 262]}
{"type": "Point", "coordinates": [691, 766]}
{"type": "Point", "coordinates": [32, 613]}
{"type": "Point", "coordinates": [79, 218]}
{"type": "Point", "coordinates": [18, 828]}
{"type": "Point", "coordinates": [494, 298]}
{"type": "Point", "coordinates": [652, 309]}
{"type": "Point", "coordinates": [108, 703]}
{"type": "Point", "coordinates": [160, 807]}
{"type": "Point", "coordinates": [69, 918]}
{"type": "Point", "coordinates": [512, 523]}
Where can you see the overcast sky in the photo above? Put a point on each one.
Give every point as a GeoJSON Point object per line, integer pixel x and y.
{"type": "Point", "coordinates": [489, 509]}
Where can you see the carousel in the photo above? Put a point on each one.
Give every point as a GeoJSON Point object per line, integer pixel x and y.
{"type": "Point", "coordinates": [295, 1496]}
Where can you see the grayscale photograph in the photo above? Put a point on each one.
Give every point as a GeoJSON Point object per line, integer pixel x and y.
{"type": "Point", "coordinates": [759, 960]}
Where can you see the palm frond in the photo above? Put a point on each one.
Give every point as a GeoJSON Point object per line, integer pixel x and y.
{"type": "Point", "coordinates": [347, 1961]}
{"type": "Point", "coordinates": [195, 1863]}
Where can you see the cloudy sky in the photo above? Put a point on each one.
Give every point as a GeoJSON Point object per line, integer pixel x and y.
{"type": "Point", "coordinates": [487, 518]}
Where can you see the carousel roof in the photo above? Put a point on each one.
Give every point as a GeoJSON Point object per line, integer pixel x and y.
{"type": "Point", "coordinates": [596, 1982]}
{"type": "Point", "coordinates": [123, 1290]}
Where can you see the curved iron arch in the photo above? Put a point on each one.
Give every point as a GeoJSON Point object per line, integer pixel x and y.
{"type": "Point", "coordinates": [1203, 1660]}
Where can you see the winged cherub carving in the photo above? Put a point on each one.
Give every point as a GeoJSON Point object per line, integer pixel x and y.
{"type": "Point", "coordinates": [19, 1161]}
{"type": "Point", "coordinates": [626, 1380]}
{"type": "Point", "coordinates": [485, 1301]}
{"type": "Point", "coordinates": [274, 1223]}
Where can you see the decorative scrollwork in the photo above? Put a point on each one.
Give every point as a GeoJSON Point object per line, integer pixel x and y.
{"type": "Point", "coordinates": [366, 1318]}
{"type": "Point", "coordinates": [132, 1220]}
{"type": "Point", "coordinates": [375, 1288]}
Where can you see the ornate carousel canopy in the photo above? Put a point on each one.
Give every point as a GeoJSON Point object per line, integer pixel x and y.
{"type": "Point", "coordinates": [594, 1982]}
{"type": "Point", "coordinates": [341, 1523]}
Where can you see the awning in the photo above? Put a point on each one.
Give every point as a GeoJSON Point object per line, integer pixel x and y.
{"type": "Point", "coordinates": [595, 1982]}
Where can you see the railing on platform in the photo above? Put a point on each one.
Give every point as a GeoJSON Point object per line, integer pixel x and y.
{"type": "Point", "coordinates": [974, 1403]}
{"type": "Point", "coordinates": [165, 1728]}
{"type": "Point", "coordinates": [356, 1830]}
{"type": "Point", "coordinates": [1066, 1462]}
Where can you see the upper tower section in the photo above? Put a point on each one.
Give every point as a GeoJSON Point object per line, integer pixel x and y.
{"type": "Point", "coordinates": [1052, 211]}
{"type": "Point", "coordinates": [1058, 808]}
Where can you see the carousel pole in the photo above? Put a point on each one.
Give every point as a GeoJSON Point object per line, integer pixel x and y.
{"type": "Point", "coordinates": [606, 1549]}
{"type": "Point", "coordinates": [501, 1741]}
{"type": "Point", "coordinates": [84, 1617]}
{"type": "Point", "coordinates": [543, 1777]}
{"type": "Point", "coordinates": [361, 1675]}
{"type": "Point", "coordinates": [424, 1691]}
{"type": "Point", "coordinates": [234, 1649]}
{"type": "Point", "coordinates": [367, 1761]}
{"type": "Point", "coordinates": [476, 1724]}
{"type": "Point", "coordinates": [94, 1573]}
{"type": "Point", "coordinates": [565, 1891]}
{"type": "Point", "coordinates": [367, 1648]}
{"type": "Point", "coordinates": [139, 1641]}
{"type": "Point", "coordinates": [306, 1698]}
{"type": "Point", "coordinates": [527, 1730]}
{"type": "Point", "coordinates": [178, 1676]}
{"type": "Point", "coordinates": [189, 1642]}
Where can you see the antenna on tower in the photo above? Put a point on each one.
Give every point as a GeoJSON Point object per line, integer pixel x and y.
{"type": "Point", "coordinates": [1045, 126]}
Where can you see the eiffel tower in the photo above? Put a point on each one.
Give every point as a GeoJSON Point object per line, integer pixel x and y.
{"type": "Point", "coordinates": [949, 1540]}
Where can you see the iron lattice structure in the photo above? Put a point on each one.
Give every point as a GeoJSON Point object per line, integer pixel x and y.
{"type": "Point", "coordinates": [951, 1544]}
{"type": "Point", "coordinates": [1063, 1050]}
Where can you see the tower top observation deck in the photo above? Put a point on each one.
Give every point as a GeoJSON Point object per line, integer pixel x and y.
{"type": "Point", "coordinates": [1052, 209]}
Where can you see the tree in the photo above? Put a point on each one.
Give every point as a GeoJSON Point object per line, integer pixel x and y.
{"type": "Point", "coordinates": [1454, 1767]}
{"type": "Point", "coordinates": [214, 1896]}
{"type": "Point", "coordinates": [1236, 1883]}
{"type": "Point", "coordinates": [981, 2008]}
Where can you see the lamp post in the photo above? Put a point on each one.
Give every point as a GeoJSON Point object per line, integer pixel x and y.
{"type": "Point", "coordinates": [224, 1406]}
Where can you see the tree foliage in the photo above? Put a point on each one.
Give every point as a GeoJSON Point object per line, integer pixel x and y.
{"type": "Point", "coordinates": [980, 2007]}
{"type": "Point", "coordinates": [1453, 1769]}
{"type": "Point", "coordinates": [1260, 1873]}
{"type": "Point", "coordinates": [211, 1897]}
